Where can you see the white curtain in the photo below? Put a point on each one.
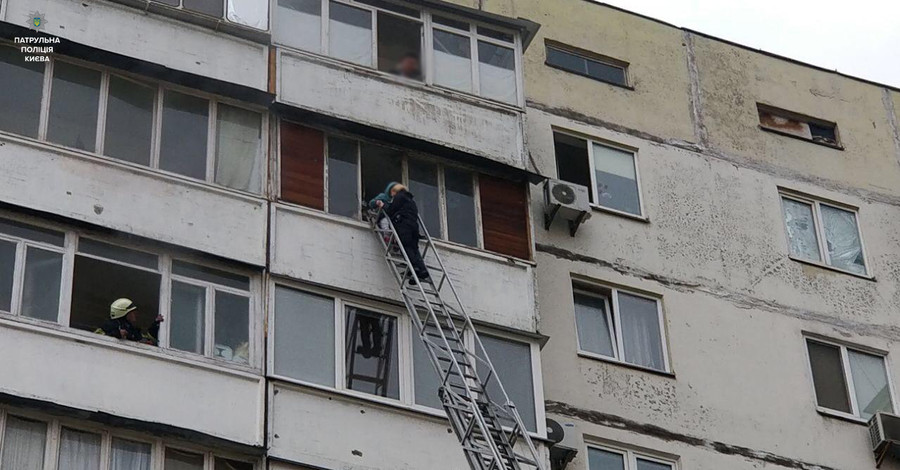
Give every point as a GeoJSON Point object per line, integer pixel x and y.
{"type": "Point", "coordinates": [640, 331]}
{"type": "Point", "coordinates": [452, 62]}
{"type": "Point", "coordinates": [79, 450]}
{"type": "Point", "coordinates": [298, 23]}
{"type": "Point", "coordinates": [252, 13]}
{"type": "Point", "coordinates": [239, 138]}
{"type": "Point", "coordinates": [497, 72]}
{"type": "Point", "coordinates": [23, 444]}
{"type": "Point", "coordinates": [129, 455]}
{"type": "Point", "coordinates": [350, 34]}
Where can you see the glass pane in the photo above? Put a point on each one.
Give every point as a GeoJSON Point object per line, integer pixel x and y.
{"type": "Point", "coordinates": [450, 22]}
{"type": "Point", "coordinates": [566, 60]}
{"type": "Point", "coordinates": [74, 103]}
{"type": "Point", "coordinates": [96, 284]}
{"type": "Point", "coordinates": [182, 460]}
{"type": "Point", "coordinates": [185, 125]}
{"type": "Point", "coordinates": [23, 444]}
{"type": "Point", "coordinates": [873, 394]}
{"type": "Point", "coordinates": [20, 112]}
{"type": "Point", "coordinates": [461, 224]}
{"type": "Point", "coordinates": [380, 166]}
{"type": "Point", "coordinates": [252, 13]}
{"type": "Point", "coordinates": [226, 464]}
{"type": "Point", "coordinates": [186, 331]}
{"type": "Point", "coordinates": [298, 23]}
{"type": "Point", "coordinates": [372, 359]}
{"type": "Point", "coordinates": [828, 376]}
{"type": "Point", "coordinates": [29, 232]}
{"type": "Point", "coordinates": [512, 361]}
{"type": "Point", "coordinates": [452, 61]}
{"type": "Point", "coordinates": [650, 465]}
{"type": "Point", "coordinates": [43, 275]}
{"type": "Point", "coordinates": [232, 335]}
{"type": "Point", "coordinates": [129, 455]}
{"type": "Point", "coordinates": [79, 450]}
{"type": "Point", "coordinates": [801, 230]}
{"type": "Point", "coordinates": [343, 177]}
{"type": "Point", "coordinates": [617, 186]}
{"type": "Point", "coordinates": [593, 324]}
{"type": "Point", "coordinates": [385, 5]}
{"type": "Point", "coordinates": [606, 72]}
{"type": "Point", "coordinates": [7, 271]}
{"type": "Point", "coordinates": [400, 46]}
{"type": "Point", "coordinates": [129, 120]}
{"type": "Point", "coordinates": [423, 183]}
{"type": "Point", "coordinates": [207, 7]}
{"type": "Point", "coordinates": [118, 253]}
{"type": "Point", "coordinates": [212, 275]}
{"type": "Point", "coordinates": [604, 460]}
{"type": "Point", "coordinates": [641, 336]}
{"type": "Point", "coordinates": [238, 145]}
{"type": "Point", "coordinates": [842, 239]}
{"type": "Point", "coordinates": [425, 379]}
{"type": "Point", "coordinates": [572, 161]}
{"type": "Point", "coordinates": [350, 33]}
{"type": "Point", "coordinates": [497, 72]}
{"type": "Point", "coordinates": [492, 33]}
{"type": "Point", "coordinates": [304, 336]}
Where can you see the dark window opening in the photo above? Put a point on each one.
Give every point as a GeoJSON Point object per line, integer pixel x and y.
{"type": "Point", "coordinates": [572, 161]}
{"type": "Point", "coordinates": [602, 70]}
{"type": "Point", "coordinates": [372, 353]}
{"type": "Point", "coordinates": [96, 284]}
{"type": "Point", "coordinates": [399, 46]}
{"type": "Point", "coordinates": [797, 125]}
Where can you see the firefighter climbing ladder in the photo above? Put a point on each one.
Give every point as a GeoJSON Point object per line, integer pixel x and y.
{"type": "Point", "coordinates": [481, 414]}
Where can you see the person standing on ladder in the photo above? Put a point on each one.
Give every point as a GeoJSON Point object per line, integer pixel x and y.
{"type": "Point", "coordinates": [405, 215]}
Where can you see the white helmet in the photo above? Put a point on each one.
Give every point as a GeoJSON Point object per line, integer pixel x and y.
{"type": "Point", "coordinates": [120, 308]}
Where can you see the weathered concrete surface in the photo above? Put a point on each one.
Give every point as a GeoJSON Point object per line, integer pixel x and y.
{"type": "Point", "coordinates": [133, 200]}
{"type": "Point", "coordinates": [153, 38]}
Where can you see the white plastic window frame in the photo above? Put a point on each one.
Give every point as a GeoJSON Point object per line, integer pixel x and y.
{"type": "Point", "coordinates": [225, 12]}
{"type": "Point", "coordinates": [53, 440]}
{"type": "Point", "coordinates": [854, 414]}
{"type": "Point", "coordinates": [613, 315]}
{"type": "Point", "coordinates": [22, 244]}
{"type": "Point", "coordinates": [824, 256]}
{"type": "Point", "coordinates": [629, 456]}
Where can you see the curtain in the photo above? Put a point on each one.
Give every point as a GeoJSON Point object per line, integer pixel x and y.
{"type": "Point", "coordinates": [129, 455]}
{"type": "Point", "coordinates": [842, 239]}
{"type": "Point", "coordinates": [497, 72]}
{"type": "Point", "coordinates": [591, 321]}
{"type": "Point", "coordinates": [350, 34]}
{"type": "Point", "coordinates": [182, 460]}
{"type": "Point", "coordinates": [79, 450]}
{"type": "Point", "coordinates": [252, 13]}
{"type": "Point", "coordinates": [239, 138]}
{"type": "Point", "coordinates": [452, 63]}
{"type": "Point", "coordinates": [23, 444]}
{"type": "Point", "coordinates": [640, 331]}
{"type": "Point", "coordinates": [187, 330]}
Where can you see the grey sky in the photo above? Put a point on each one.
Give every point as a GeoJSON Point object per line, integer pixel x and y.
{"type": "Point", "coordinates": [860, 37]}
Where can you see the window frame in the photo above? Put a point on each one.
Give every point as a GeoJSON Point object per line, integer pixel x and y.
{"type": "Point", "coordinates": [589, 56]}
{"type": "Point", "coordinates": [611, 302]}
{"type": "Point", "coordinates": [808, 120]}
{"type": "Point", "coordinates": [630, 457]}
{"type": "Point", "coordinates": [847, 378]}
{"type": "Point", "coordinates": [159, 88]}
{"type": "Point", "coordinates": [819, 229]}
{"type": "Point", "coordinates": [18, 285]}
{"type": "Point", "coordinates": [180, 7]}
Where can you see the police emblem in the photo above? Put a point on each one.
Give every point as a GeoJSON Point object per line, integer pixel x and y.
{"type": "Point", "coordinates": [36, 21]}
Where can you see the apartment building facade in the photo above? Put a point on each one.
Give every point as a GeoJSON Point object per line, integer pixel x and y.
{"type": "Point", "coordinates": [727, 305]}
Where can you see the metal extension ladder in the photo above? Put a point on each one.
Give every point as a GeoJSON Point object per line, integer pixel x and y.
{"type": "Point", "coordinates": [481, 414]}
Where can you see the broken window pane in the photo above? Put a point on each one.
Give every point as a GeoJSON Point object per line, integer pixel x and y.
{"type": "Point", "coordinates": [129, 120]}
{"type": "Point", "coordinates": [78, 450]}
{"type": "Point", "coordinates": [461, 225]}
{"type": "Point", "coordinates": [7, 271]}
{"type": "Point", "coordinates": [592, 319]}
{"type": "Point", "coordinates": [616, 178]}
{"type": "Point", "coordinates": [232, 325]}
{"type": "Point", "coordinates": [801, 229]}
{"type": "Point", "coordinates": [641, 336]}
{"type": "Point", "coordinates": [380, 166]}
{"type": "Point", "coordinates": [185, 128]}
{"type": "Point", "coordinates": [96, 284]}
{"type": "Point", "coordinates": [572, 162]}
{"type": "Point", "coordinates": [228, 464]}
{"type": "Point", "coordinates": [842, 239]}
{"type": "Point", "coordinates": [74, 104]}
{"type": "Point", "coordinates": [343, 177]}
{"type": "Point", "coordinates": [207, 7]}
{"type": "Point", "coordinates": [187, 330]}
{"type": "Point", "coordinates": [43, 275]}
{"type": "Point", "coordinates": [828, 376]}
{"type": "Point", "coordinates": [423, 183]}
{"type": "Point", "coordinates": [129, 455]}
{"type": "Point", "coordinates": [298, 23]}
{"type": "Point", "coordinates": [304, 336]}
{"type": "Point", "coordinates": [512, 361]}
{"type": "Point", "coordinates": [497, 72]}
{"type": "Point", "coordinates": [372, 362]}
{"type": "Point", "coordinates": [599, 459]}
{"type": "Point", "coordinates": [238, 148]}
{"type": "Point", "coordinates": [350, 33]}
{"type": "Point", "coordinates": [650, 465]}
{"type": "Point", "coordinates": [425, 379]}
{"type": "Point", "coordinates": [20, 112]}
{"type": "Point", "coordinates": [452, 61]}
{"type": "Point", "coordinates": [23, 444]}
{"type": "Point", "coordinates": [873, 394]}
{"type": "Point", "coordinates": [183, 460]}
{"type": "Point", "coordinates": [399, 46]}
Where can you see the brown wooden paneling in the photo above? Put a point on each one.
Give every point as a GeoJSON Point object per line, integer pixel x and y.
{"type": "Point", "coordinates": [504, 216]}
{"type": "Point", "coordinates": [302, 165]}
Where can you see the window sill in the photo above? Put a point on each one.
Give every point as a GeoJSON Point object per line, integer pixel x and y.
{"type": "Point", "coordinates": [797, 137]}
{"type": "Point", "coordinates": [609, 360]}
{"type": "Point", "coordinates": [628, 215]}
{"type": "Point", "coordinates": [841, 416]}
{"type": "Point", "coordinates": [832, 268]}
{"type": "Point", "coordinates": [584, 75]}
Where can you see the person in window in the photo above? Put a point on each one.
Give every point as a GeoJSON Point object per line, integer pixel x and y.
{"type": "Point", "coordinates": [405, 215]}
{"type": "Point", "coordinates": [385, 199]}
{"type": "Point", "coordinates": [123, 315]}
{"type": "Point", "coordinates": [408, 66]}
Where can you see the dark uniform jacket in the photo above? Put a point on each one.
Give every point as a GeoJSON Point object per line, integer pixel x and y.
{"type": "Point", "coordinates": [112, 327]}
{"type": "Point", "coordinates": [404, 214]}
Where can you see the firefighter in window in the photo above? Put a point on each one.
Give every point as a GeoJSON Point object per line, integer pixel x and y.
{"type": "Point", "coordinates": [123, 315]}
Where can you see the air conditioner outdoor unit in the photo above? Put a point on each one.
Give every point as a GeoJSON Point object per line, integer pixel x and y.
{"type": "Point", "coordinates": [564, 438]}
{"type": "Point", "coordinates": [884, 431]}
{"type": "Point", "coordinates": [567, 200]}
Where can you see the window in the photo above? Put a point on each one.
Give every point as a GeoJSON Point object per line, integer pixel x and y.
{"type": "Point", "coordinates": [389, 37]}
{"type": "Point", "coordinates": [304, 332]}
{"type": "Point", "coordinates": [797, 125]}
{"type": "Point", "coordinates": [586, 64]}
{"type": "Point", "coordinates": [610, 173]}
{"type": "Point", "coordinates": [371, 359]}
{"type": "Point", "coordinates": [603, 458]}
{"type": "Point", "coordinates": [512, 361]}
{"type": "Point", "coordinates": [80, 98]}
{"type": "Point", "coordinates": [23, 444]}
{"type": "Point", "coordinates": [820, 232]}
{"type": "Point", "coordinates": [31, 261]}
{"type": "Point", "coordinates": [129, 455]}
{"type": "Point", "coordinates": [620, 326]}
{"type": "Point", "coordinates": [848, 381]}
{"type": "Point", "coordinates": [251, 13]}
{"type": "Point", "coordinates": [79, 450]}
